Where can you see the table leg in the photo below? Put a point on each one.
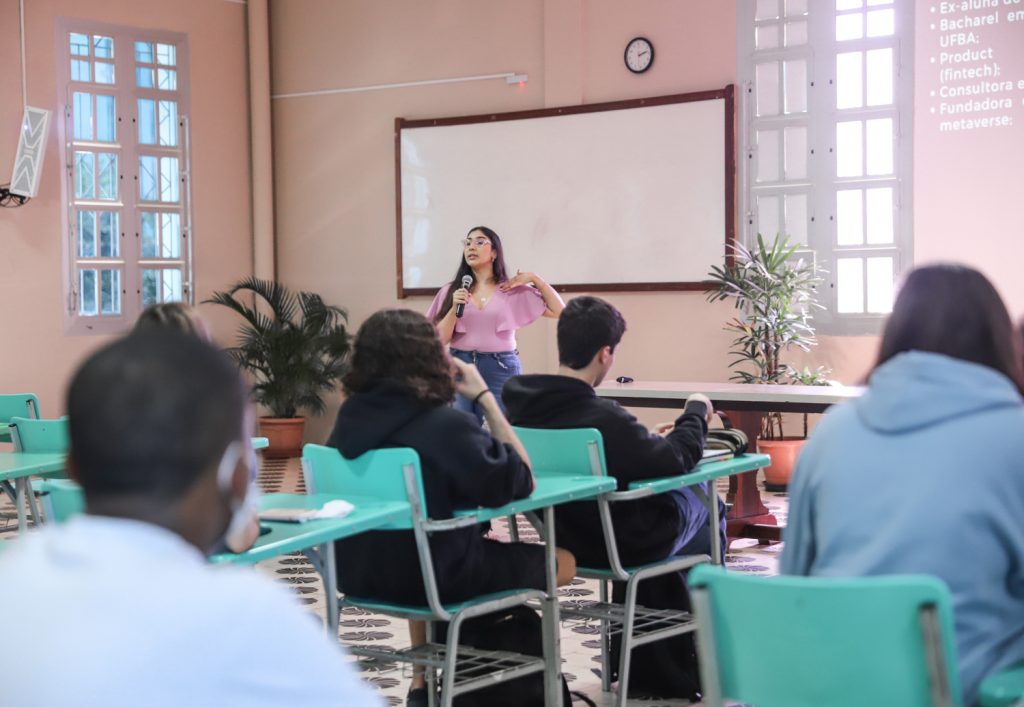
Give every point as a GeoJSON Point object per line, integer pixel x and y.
{"type": "Point", "coordinates": [331, 589]}
{"type": "Point", "coordinates": [21, 493]}
{"type": "Point", "coordinates": [552, 649]}
{"type": "Point", "coordinates": [748, 510]}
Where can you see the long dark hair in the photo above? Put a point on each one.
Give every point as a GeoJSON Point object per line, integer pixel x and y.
{"type": "Point", "coordinates": [464, 269]}
{"type": "Point", "coordinates": [401, 345]}
{"type": "Point", "coordinates": [953, 310]}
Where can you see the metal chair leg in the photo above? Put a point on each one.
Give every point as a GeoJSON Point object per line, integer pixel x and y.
{"type": "Point", "coordinates": [626, 649]}
{"type": "Point", "coordinates": [606, 642]}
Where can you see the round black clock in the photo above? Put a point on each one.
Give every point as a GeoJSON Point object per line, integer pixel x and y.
{"type": "Point", "coordinates": [639, 55]}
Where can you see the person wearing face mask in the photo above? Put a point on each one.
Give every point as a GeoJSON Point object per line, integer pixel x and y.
{"type": "Point", "coordinates": [120, 599]}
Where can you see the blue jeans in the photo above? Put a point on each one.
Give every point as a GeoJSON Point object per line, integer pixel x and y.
{"type": "Point", "coordinates": [496, 368]}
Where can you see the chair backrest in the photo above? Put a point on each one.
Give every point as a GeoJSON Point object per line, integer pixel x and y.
{"type": "Point", "coordinates": [18, 405]}
{"type": "Point", "coordinates": [569, 452]}
{"type": "Point", "coordinates": [40, 435]}
{"type": "Point", "coordinates": [859, 641]}
{"type": "Point", "coordinates": [62, 499]}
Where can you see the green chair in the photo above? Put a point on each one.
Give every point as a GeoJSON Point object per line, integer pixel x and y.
{"type": "Point", "coordinates": [1003, 689]}
{"type": "Point", "coordinates": [16, 405]}
{"type": "Point", "coordinates": [394, 475]}
{"type": "Point", "coordinates": [62, 498]}
{"type": "Point", "coordinates": [35, 435]}
{"type": "Point", "coordinates": [875, 641]}
{"type": "Point", "coordinates": [580, 452]}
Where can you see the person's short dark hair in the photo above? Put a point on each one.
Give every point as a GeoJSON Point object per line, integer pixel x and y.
{"type": "Point", "coordinates": [587, 325]}
{"type": "Point", "coordinates": [151, 412]}
{"type": "Point", "coordinates": [172, 315]}
{"type": "Point", "coordinates": [955, 311]}
{"type": "Point", "coordinates": [401, 345]}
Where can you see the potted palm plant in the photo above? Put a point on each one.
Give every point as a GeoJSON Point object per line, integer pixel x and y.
{"type": "Point", "coordinates": [296, 349]}
{"type": "Point", "coordinates": [774, 290]}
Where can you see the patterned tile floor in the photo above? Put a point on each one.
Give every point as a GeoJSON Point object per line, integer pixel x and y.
{"type": "Point", "coordinates": [580, 649]}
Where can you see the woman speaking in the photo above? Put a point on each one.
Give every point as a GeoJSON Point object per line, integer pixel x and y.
{"type": "Point", "coordinates": [478, 313]}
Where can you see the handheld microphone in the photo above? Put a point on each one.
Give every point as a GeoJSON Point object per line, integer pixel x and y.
{"type": "Point", "coordinates": [467, 280]}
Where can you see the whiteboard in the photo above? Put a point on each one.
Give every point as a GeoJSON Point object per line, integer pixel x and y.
{"type": "Point", "coordinates": [619, 196]}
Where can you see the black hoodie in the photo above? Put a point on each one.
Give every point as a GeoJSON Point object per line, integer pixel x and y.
{"type": "Point", "coordinates": [463, 467]}
{"type": "Point", "coordinates": [645, 530]}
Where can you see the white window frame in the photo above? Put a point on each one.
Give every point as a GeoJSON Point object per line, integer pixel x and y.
{"type": "Point", "coordinates": [820, 120]}
{"type": "Point", "coordinates": [128, 203]}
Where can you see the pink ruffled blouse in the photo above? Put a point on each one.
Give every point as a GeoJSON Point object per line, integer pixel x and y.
{"type": "Point", "coordinates": [493, 328]}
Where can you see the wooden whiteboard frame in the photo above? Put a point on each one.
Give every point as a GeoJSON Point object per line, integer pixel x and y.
{"type": "Point", "coordinates": [726, 94]}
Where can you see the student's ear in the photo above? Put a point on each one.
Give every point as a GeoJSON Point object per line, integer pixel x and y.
{"type": "Point", "coordinates": [240, 479]}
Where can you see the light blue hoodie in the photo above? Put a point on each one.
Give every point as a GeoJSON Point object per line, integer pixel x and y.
{"type": "Point", "coordinates": [923, 474]}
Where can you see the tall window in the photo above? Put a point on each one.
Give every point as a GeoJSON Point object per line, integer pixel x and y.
{"type": "Point", "coordinates": [128, 229]}
{"type": "Point", "coordinates": [825, 135]}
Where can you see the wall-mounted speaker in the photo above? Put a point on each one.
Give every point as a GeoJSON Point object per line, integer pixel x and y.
{"type": "Point", "coordinates": [28, 162]}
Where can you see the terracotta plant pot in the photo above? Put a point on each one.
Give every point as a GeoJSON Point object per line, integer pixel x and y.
{"type": "Point", "coordinates": [285, 435]}
{"type": "Point", "coordinates": [783, 453]}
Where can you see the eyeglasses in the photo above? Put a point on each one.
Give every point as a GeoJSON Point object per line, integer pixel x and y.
{"type": "Point", "coordinates": [478, 242]}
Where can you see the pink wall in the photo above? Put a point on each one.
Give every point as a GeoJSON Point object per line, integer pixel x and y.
{"type": "Point", "coordinates": [36, 355]}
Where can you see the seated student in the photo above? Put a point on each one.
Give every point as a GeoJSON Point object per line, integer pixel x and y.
{"type": "Point", "coordinates": [922, 474]}
{"type": "Point", "coordinates": [178, 316]}
{"type": "Point", "coordinates": [118, 606]}
{"type": "Point", "coordinates": [399, 390]}
{"type": "Point", "coordinates": [648, 529]}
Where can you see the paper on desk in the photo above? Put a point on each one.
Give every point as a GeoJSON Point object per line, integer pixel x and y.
{"type": "Point", "coordinates": [338, 508]}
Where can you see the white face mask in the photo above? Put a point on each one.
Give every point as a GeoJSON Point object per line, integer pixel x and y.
{"type": "Point", "coordinates": [241, 512]}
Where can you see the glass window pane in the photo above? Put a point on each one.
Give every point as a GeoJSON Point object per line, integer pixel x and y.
{"type": "Point", "coordinates": [166, 79]}
{"type": "Point", "coordinates": [849, 285]}
{"type": "Point", "coordinates": [849, 149]}
{"type": "Point", "coordinates": [143, 77]}
{"type": "Point", "coordinates": [170, 235]}
{"type": "Point", "coordinates": [81, 115]}
{"type": "Point", "coordinates": [767, 10]}
{"type": "Point", "coordinates": [110, 243]}
{"type": "Point", "coordinates": [106, 119]}
{"type": "Point", "coordinates": [86, 234]}
{"type": "Point", "coordinates": [768, 212]}
{"type": "Point", "coordinates": [110, 291]}
{"type": "Point", "coordinates": [147, 121]}
{"type": "Point", "coordinates": [849, 27]}
{"type": "Point", "coordinates": [168, 123]}
{"type": "Point", "coordinates": [103, 47]}
{"type": "Point", "coordinates": [149, 289]}
{"type": "Point", "coordinates": [796, 34]}
{"type": "Point", "coordinates": [147, 178]}
{"type": "Point", "coordinates": [148, 234]}
{"type": "Point", "coordinates": [796, 218]}
{"type": "Point", "coordinates": [107, 176]}
{"type": "Point", "coordinates": [796, 8]}
{"type": "Point", "coordinates": [87, 292]}
{"type": "Point", "coordinates": [85, 175]}
{"type": "Point", "coordinates": [79, 44]}
{"type": "Point", "coordinates": [169, 179]}
{"type": "Point", "coordinates": [768, 156]}
{"type": "Point", "coordinates": [849, 80]}
{"type": "Point", "coordinates": [796, 152]}
{"type": "Point", "coordinates": [848, 4]}
{"type": "Point", "coordinates": [872, 3]}
{"type": "Point", "coordinates": [796, 85]}
{"type": "Point", "coordinates": [881, 23]}
{"type": "Point", "coordinates": [766, 86]}
{"type": "Point", "coordinates": [879, 73]}
{"type": "Point", "coordinates": [849, 217]}
{"type": "Point", "coordinates": [170, 290]}
{"type": "Point", "coordinates": [144, 52]}
{"type": "Point", "coordinates": [880, 215]}
{"type": "Point", "coordinates": [880, 285]}
{"type": "Point", "coordinates": [165, 54]}
{"type": "Point", "coordinates": [766, 37]}
{"type": "Point", "coordinates": [879, 146]}
{"type": "Point", "coordinates": [104, 72]}
{"type": "Point", "coordinates": [80, 70]}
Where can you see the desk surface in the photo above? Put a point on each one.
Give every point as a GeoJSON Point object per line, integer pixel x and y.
{"type": "Point", "coordinates": [730, 396]}
{"type": "Point", "coordinates": [706, 471]}
{"type": "Point", "coordinates": [15, 465]}
{"type": "Point", "coordinates": [284, 538]}
{"type": "Point", "coordinates": [550, 491]}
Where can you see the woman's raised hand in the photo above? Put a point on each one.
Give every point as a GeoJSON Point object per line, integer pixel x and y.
{"type": "Point", "coordinates": [521, 278]}
{"type": "Point", "coordinates": [460, 296]}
